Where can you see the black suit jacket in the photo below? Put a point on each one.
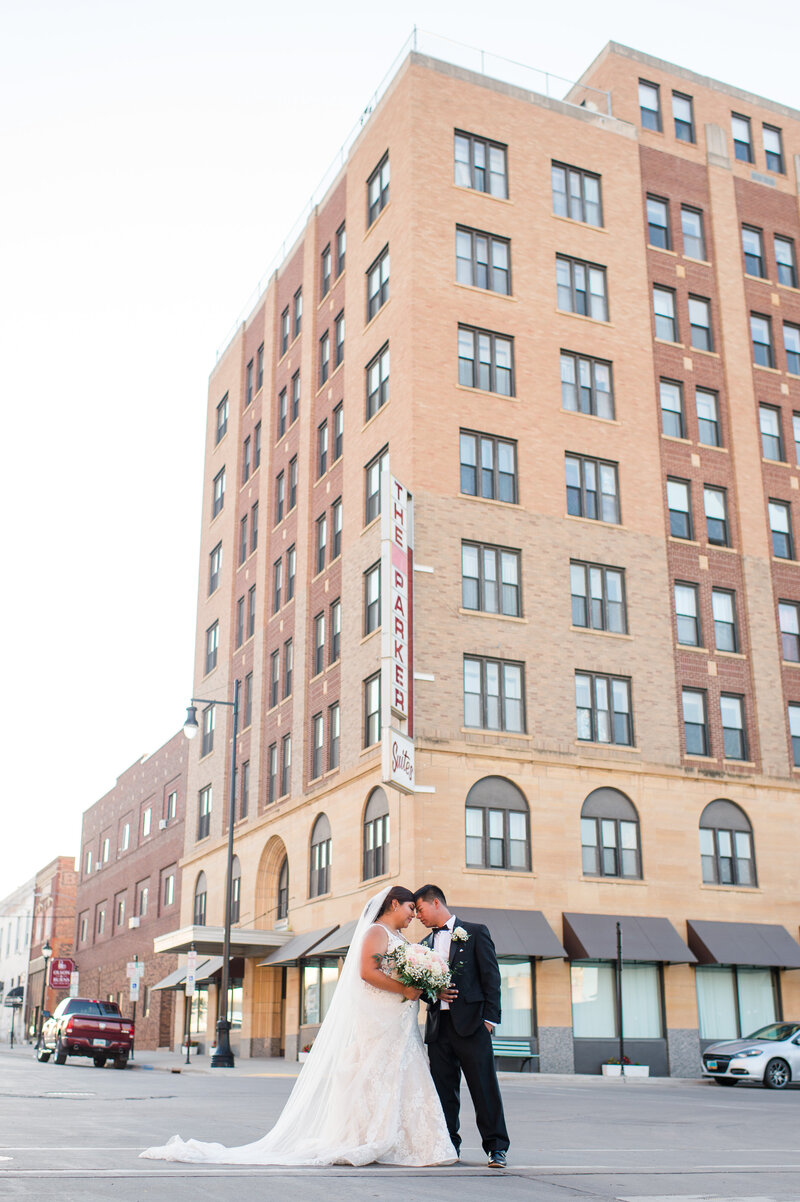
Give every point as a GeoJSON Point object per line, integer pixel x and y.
{"type": "Point", "coordinates": [473, 963]}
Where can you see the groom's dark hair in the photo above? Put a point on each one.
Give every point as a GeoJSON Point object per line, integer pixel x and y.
{"type": "Point", "coordinates": [430, 893]}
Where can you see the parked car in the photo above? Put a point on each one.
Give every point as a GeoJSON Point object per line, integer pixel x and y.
{"type": "Point", "coordinates": [770, 1055]}
{"type": "Point", "coordinates": [87, 1027]}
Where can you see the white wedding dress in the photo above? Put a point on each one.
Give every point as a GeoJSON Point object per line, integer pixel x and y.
{"type": "Point", "coordinates": [365, 1094]}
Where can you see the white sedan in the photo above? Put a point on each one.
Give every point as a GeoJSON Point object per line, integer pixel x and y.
{"type": "Point", "coordinates": [770, 1055]}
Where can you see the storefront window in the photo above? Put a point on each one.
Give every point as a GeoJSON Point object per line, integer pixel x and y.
{"type": "Point", "coordinates": [235, 1004]}
{"type": "Point", "coordinates": [199, 1018]}
{"type": "Point", "coordinates": [319, 983]}
{"type": "Point", "coordinates": [732, 1002]}
{"type": "Point", "coordinates": [594, 1001]}
{"type": "Point", "coordinates": [516, 999]}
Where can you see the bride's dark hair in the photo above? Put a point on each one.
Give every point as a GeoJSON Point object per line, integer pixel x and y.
{"type": "Point", "coordinates": [397, 893]}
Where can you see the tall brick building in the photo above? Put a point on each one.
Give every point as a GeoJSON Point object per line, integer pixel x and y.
{"type": "Point", "coordinates": [572, 337]}
{"type": "Point", "coordinates": [54, 923]}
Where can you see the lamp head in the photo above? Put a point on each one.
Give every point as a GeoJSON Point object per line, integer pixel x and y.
{"type": "Point", "coordinates": [47, 950]}
{"type": "Point", "coordinates": [190, 726]}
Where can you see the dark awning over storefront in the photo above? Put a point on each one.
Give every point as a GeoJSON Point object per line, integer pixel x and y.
{"type": "Point", "coordinates": [517, 932]}
{"type": "Point", "coordinates": [338, 942]}
{"type": "Point", "coordinates": [758, 944]}
{"type": "Point", "coordinates": [594, 937]}
{"type": "Point", "coordinates": [297, 947]}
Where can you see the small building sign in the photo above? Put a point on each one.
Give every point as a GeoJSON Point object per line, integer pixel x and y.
{"type": "Point", "coordinates": [61, 971]}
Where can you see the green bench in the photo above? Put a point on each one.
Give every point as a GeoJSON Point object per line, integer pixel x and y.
{"type": "Point", "coordinates": [517, 1049]}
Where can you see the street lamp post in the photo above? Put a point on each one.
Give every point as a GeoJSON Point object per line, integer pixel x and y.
{"type": "Point", "coordinates": [223, 1056]}
{"type": "Point", "coordinates": [47, 952]}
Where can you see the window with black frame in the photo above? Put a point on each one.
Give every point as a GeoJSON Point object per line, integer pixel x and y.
{"type": "Point", "coordinates": [320, 857]}
{"type": "Point", "coordinates": [497, 826]}
{"type": "Point", "coordinates": [282, 908]}
{"type": "Point", "coordinates": [727, 853]}
{"type": "Point", "coordinates": [610, 844]}
{"type": "Point", "coordinates": [199, 907]}
{"type": "Point", "coordinates": [376, 835]}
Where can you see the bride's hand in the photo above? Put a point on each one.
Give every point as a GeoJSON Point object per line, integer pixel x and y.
{"type": "Point", "coordinates": [411, 993]}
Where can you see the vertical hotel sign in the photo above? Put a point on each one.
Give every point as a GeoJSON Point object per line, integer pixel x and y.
{"type": "Point", "coordinates": [397, 649]}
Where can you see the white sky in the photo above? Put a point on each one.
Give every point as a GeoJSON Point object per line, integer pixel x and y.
{"type": "Point", "coordinates": [154, 155]}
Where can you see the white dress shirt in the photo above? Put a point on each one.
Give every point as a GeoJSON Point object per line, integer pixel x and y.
{"type": "Point", "coordinates": [441, 945]}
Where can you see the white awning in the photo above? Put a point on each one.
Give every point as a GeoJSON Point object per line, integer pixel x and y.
{"type": "Point", "coordinates": [208, 941]}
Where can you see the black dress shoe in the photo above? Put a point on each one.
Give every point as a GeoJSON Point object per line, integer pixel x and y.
{"type": "Point", "coordinates": [497, 1159]}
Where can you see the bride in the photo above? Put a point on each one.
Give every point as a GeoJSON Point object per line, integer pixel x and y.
{"type": "Point", "coordinates": [365, 1093]}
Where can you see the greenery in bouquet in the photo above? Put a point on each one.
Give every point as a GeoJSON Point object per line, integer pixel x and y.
{"type": "Point", "coordinates": [421, 968]}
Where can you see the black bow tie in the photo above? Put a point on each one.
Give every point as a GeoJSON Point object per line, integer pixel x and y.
{"type": "Point", "coordinates": [436, 930]}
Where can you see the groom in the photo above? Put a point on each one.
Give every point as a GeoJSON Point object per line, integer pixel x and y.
{"type": "Point", "coordinates": [459, 1026]}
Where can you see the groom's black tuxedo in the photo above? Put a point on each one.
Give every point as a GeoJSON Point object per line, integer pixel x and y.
{"type": "Point", "coordinates": [458, 1039]}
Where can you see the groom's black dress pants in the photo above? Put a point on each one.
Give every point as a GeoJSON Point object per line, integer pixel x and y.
{"type": "Point", "coordinates": [450, 1055]}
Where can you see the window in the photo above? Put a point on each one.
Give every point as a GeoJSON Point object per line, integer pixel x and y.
{"type": "Point", "coordinates": [322, 449]}
{"type": "Point", "coordinates": [658, 223]}
{"type": "Point", "coordinates": [280, 495]}
{"type": "Point", "coordinates": [789, 620]}
{"type": "Point", "coordinates": [715, 504]}
{"type": "Point", "coordinates": [742, 141]}
{"type": "Point", "coordinates": [781, 526]}
{"type": "Point", "coordinates": [592, 489]}
{"type": "Point", "coordinates": [695, 722]}
{"type": "Point", "coordinates": [282, 412]}
{"type": "Point", "coordinates": [248, 384]}
{"type": "Point", "coordinates": [334, 731]}
{"type": "Point", "coordinates": [687, 615]}
{"type": "Point", "coordinates": [209, 721]}
{"type": "Point", "coordinates": [272, 773]}
{"type": "Point", "coordinates": [319, 644]}
{"type": "Point", "coordinates": [338, 431]}
{"type": "Point", "coordinates": [791, 341]}
{"type": "Point", "coordinates": [284, 330]}
{"type": "Point", "coordinates": [378, 189]}
{"type": "Point", "coordinates": [277, 583]}
{"type": "Point", "coordinates": [664, 312]}
{"type": "Point", "coordinates": [317, 743]}
{"type": "Point", "coordinates": [295, 396]}
{"type": "Point", "coordinates": [700, 323]}
{"type": "Point", "coordinates": [581, 288]}
{"type": "Point", "coordinates": [598, 597]}
{"type": "Point", "coordinates": [236, 889]}
{"type": "Point", "coordinates": [341, 248]}
{"type": "Point", "coordinates": [481, 165]}
{"type": "Point", "coordinates": [483, 260]}
{"type": "Point", "coordinates": [753, 247]}
{"type": "Point", "coordinates": [143, 901]}
{"type": "Point", "coordinates": [576, 194]}
{"type": "Point", "coordinates": [219, 493]}
{"type": "Point", "coordinates": [298, 311]}
{"type": "Point", "coordinates": [325, 270]}
{"type": "Point", "coordinates": [769, 421]}
{"type": "Point", "coordinates": [732, 712]}
{"type": "Point", "coordinates": [723, 608]}
{"type": "Point", "coordinates": [101, 920]}
{"type": "Point", "coordinates": [497, 828]}
{"type": "Point", "coordinates": [372, 490]}
{"type": "Point", "coordinates": [84, 929]}
{"type": "Point", "coordinates": [125, 842]}
{"type": "Point", "coordinates": [773, 149]}
{"type": "Point", "coordinates": [372, 599]}
{"type": "Point", "coordinates": [88, 864]}
{"type": "Point", "coordinates": [320, 860]}
{"type": "Point", "coordinates": [274, 678]}
{"type": "Point", "coordinates": [338, 326]}
{"type": "Point", "coordinates": [322, 541]}
{"type": "Point", "coordinates": [172, 804]}
{"type": "Point", "coordinates": [796, 435]}
{"type": "Point", "coordinates": [683, 117]}
{"type": "Point", "coordinates": [222, 417]}
{"type": "Point", "coordinates": [169, 888]}
{"type": "Point", "coordinates": [292, 482]}
{"type": "Point", "coordinates": [291, 571]}
{"type": "Point", "coordinates": [239, 622]}
{"type": "Point", "coordinates": [603, 709]}
{"type": "Point", "coordinates": [243, 540]}
{"type": "Point", "coordinates": [145, 832]}
{"type": "Point", "coordinates": [378, 381]}
{"type": "Point", "coordinates": [493, 694]}
{"type": "Point", "coordinates": [324, 357]}
{"type": "Point", "coordinates": [732, 1002]}
{"type": "Point", "coordinates": [214, 568]}
{"type": "Point", "coordinates": [707, 418]}
{"type": "Point", "coordinates": [785, 261]}
{"type": "Point", "coordinates": [247, 716]}
{"type": "Point", "coordinates": [286, 765]}
{"type": "Point", "coordinates": [610, 835]}
{"type": "Point", "coordinates": [672, 422]}
{"type": "Point", "coordinates": [254, 527]}
{"type": "Point", "coordinates": [649, 105]}
{"type": "Point", "coordinates": [204, 813]}
{"type": "Point", "coordinates": [336, 525]}
{"type": "Point", "coordinates": [212, 644]}
{"type": "Point", "coordinates": [288, 666]}
{"type": "Point", "coordinates": [490, 579]}
{"type": "Point", "coordinates": [586, 385]}
{"type": "Point", "coordinates": [594, 992]}
{"type": "Point", "coordinates": [251, 611]}
{"type": "Point", "coordinates": [488, 467]}
{"type": "Point", "coordinates": [376, 835]}
{"type": "Point", "coordinates": [282, 908]}
{"type": "Point", "coordinates": [336, 630]}
{"type": "Point", "coordinates": [378, 283]}
{"type": "Point", "coordinates": [260, 368]}
{"type": "Point", "coordinates": [694, 242]}
{"type": "Point", "coordinates": [372, 704]}
{"type": "Point", "coordinates": [199, 907]}
{"type": "Point", "coordinates": [794, 731]}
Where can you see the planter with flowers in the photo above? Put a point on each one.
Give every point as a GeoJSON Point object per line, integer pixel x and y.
{"type": "Point", "coordinates": [614, 1067]}
{"type": "Point", "coordinates": [301, 1056]}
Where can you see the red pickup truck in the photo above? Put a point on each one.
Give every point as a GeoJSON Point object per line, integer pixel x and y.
{"type": "Point", "coordinates": [85, 1027]}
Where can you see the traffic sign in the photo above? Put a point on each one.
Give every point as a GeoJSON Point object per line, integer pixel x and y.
{"type": "Point", "coordinates": [73, 985]}
{"type": "Point", "coordinates": [135, 988]}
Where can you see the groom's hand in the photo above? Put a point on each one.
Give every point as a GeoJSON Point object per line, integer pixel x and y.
{"type": "Point", "coordinates": [448, 995]}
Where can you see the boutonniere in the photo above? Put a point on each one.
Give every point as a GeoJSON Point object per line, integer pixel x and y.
{"type": "Point", "coordinates": [459, 935]}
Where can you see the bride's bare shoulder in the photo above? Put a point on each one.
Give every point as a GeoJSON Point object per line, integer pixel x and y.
{"type": "Point", "coordinates": [376, 937]}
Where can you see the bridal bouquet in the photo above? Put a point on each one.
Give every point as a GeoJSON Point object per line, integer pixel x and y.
{"type": "Point", "coordinates": [421, 968]}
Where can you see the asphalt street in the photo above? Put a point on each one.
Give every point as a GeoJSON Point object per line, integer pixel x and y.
{"type": "Point", "coordinates": [74, 1132]}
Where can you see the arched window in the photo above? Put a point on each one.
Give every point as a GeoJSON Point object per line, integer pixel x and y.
{"type": "Point", "coordinates": [726, 845]}
{"type": "Point", "coordinates": [610, 835]}
{"type": "Point", "coordinates": [320, 858]}
{"type": "Point", "coordinates": [236, 889]}
{"type": "Point", "coordinates": [376, 835]}
{"type": "Point", "coordinates": [199, 912]}
{"type": "Point", "coordinates": [283, 890]}
{"type": "Point", "coordinates": [497, 826]}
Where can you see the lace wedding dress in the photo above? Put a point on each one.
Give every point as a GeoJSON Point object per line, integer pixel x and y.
{"type": "Point", "coordinates": [365, 1094]}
